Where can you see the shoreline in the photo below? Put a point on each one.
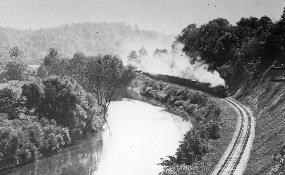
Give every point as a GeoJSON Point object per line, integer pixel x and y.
{"type": "Point", "coordinates": [77, 142]}
{"type": "Point", "coordinates": [131, 93]}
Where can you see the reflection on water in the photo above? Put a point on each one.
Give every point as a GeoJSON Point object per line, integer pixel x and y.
{"type": "Point", "coordinates": [78, 160]}
{"type": "Point", "coordinates": [140, 135]}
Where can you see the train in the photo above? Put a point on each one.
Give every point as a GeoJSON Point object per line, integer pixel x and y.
{"type": "Point", "coordinates": [217, 91]}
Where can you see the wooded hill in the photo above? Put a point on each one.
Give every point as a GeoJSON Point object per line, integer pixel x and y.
{"type": "Point", "coordinates": [89, 38]}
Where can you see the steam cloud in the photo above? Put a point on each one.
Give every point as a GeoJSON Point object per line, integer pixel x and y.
{"type": "Point", "coordinates": [171, 61]}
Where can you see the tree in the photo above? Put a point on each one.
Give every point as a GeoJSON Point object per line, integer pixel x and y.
{"type": "Point", "coordinates": [133, 56]}
{"type": "Point", "coordinates": [10, 103]}
{"type": "Point", "coordinates": [104, 74]}
{"type": "Point", "coordinates": [76, 67]}
{"type": "Point", "coordinates": [216, 42]}
{"type": "Point", "coordinates": [142, 52]}
{"type": "Point", "coordinates": [65, 101]}
{"type": "Point", "coordinates": [213, 42]}
{"type": "Point", "coordinates": [190, 38]}
{"type": "Point", "coordinates": [42, 71]}
{"type": "Point", "coordinates": [51, 58]}
{"type": "Point", "coordinates": [266, 23]}
{"type": "Point", "coordinates": [159, 52]}
{"type": "Point", "coordinates": [54, 64]}
{"type": "Point", "coordinates": [16, 53]}
{"type": "Point", "coordinates": [16, 70]}
{"type": "Point", "coordinates": [32, 94]}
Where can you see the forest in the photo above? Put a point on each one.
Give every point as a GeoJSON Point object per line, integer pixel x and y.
{"type": "Point", "coordinates": [89, 38]}
{"type": "Point", "coordinates": [237, 51]}
{"type": "Point", "coordinates": [44, 111]}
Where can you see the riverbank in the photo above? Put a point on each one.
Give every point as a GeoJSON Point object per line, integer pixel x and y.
{"type": "Point", "coordinates": [42, 119]}
{"type": "Point", "coordinates": [134, 145]}
{"type": "Point", "coordinates": [94, 138]}
{"type": "Point", "coordinates": [217, 147]}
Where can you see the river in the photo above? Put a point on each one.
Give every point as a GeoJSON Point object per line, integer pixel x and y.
{"type": "Point", "coordinates": [140, 135]}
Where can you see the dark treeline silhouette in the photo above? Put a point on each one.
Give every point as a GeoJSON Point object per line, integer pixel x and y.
{"type": "Point", "coordinates": [237, 51]}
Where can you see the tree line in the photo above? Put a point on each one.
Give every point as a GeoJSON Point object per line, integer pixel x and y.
{"type": "Point", "coordinates": [236, 51]}
{"type": "Point", "coordinates": [90, 38]}
{"type": "Point", "coordinates": [66, 98]}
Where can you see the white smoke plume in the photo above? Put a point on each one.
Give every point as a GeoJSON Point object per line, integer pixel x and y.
{"type": "Point", "coordinates": [171, 61]}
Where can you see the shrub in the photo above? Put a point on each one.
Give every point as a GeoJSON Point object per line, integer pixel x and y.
{"type": "Point", "coordinates": [189, 107]}
{"type": "Point", "coordinates": [191, 149]}
{"type": "Point", "coordinates": [198, 98]}
{"type": "Point", "coordinates": [29, 138]}
{"type": "Point", "coordinates": [16, 144]}
{"type": "Point", "coordinates": [176, 170]}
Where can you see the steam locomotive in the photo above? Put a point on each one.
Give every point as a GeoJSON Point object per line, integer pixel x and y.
{"type": "Point", "coordinates": [217, 91]}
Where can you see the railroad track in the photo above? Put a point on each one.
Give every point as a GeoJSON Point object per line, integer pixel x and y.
{"type": "Point", "coordinates": [234, 160]}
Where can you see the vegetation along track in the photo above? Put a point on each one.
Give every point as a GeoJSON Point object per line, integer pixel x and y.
{"type": "Point", "coordinates": [234, 160]}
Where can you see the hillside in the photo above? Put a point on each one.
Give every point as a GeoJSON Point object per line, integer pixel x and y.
{"type": "Point", "coordinates": [267, 99]}
{"type": "Point", "coordinates": [89, 38]}
{"type": "Point", "coordinates": [250, 57]}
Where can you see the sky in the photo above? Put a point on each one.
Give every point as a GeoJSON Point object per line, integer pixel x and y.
{"type": "Point", "coordinates": [167, 16]}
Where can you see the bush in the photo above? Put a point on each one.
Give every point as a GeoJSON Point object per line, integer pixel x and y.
{"type": "Point", "coordinates": [191, 149]}
{"type": "Point", "coordinates": [189, 107]}
{"type": "Point", "coordinates": [29, 138]}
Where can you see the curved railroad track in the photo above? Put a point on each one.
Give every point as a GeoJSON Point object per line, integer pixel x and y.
{"type": "Point", "coordinates": [234, 160]}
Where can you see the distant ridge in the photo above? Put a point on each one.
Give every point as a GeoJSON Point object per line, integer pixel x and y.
{"type": "Point", "coordinates": [89, 38]}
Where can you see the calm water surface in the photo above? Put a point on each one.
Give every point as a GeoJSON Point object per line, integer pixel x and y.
{"type": "Point", "coordinates": [140, 135]}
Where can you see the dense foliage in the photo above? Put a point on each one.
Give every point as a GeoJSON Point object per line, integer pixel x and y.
{"type": "Point", "coordinates": [68, 99]}
{"type": "Point", "coordinates": [236, 51]}
{"type": "Point", "coordinates": [44, 118]}
{"type": "Point", "coordinates": [28, 138]}
{"type": "Point", "coordinates": [10, 103]}
{"type": "Point", "coordinates": [99, 75]}
{"type": "Point", "coordinates": [14, 70]}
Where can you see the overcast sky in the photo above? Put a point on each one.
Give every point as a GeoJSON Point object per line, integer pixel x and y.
{"type": "Point", "coordinates": [169, 16]}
